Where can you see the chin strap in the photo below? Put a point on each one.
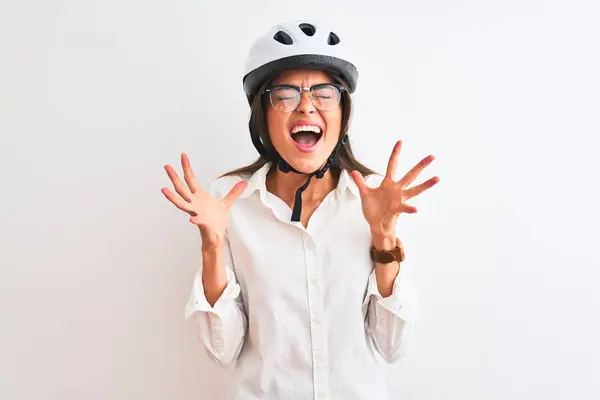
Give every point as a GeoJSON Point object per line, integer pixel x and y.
{"type": "Point", "coordinates": [285, 168]}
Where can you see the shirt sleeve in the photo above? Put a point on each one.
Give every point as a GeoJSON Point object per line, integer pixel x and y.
{"type": "Point", "coordinates": [391, 322]}
{"type": "Point", "coordinates": [221, 327]}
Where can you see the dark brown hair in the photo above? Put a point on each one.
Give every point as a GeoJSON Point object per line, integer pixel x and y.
{"type": "Point", "coordinates": [345, 158]}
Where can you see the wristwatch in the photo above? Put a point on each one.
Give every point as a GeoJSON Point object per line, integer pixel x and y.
{"type": "Point", "coordinates": [388, 256]}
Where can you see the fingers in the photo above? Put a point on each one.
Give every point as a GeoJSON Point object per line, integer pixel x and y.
{"type": "Point", "coordinates": [408, 209]}
{"type": "Point", "coordinates": [178, 201]}
{"type": "Point", "coordinates": [188, 173]}
{"type": "Point", "coordinates": [179, 186]}
{"type": "Point", "coordinates": [415, 171]}
{"type": "Point", "coordinates": [416, 190]}
{"type": "Point", "coordinates": [393, 163]}
{"type": "Point", "coordinates": [359, 181]}
{"type": "Point", "coordinates": [195, 220]}
{"type": "Point", "coordinates": [235, 192]}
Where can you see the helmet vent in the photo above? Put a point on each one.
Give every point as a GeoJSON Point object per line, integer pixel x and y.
{"type": "Point", "coordinates": [283, 38]}
{"type": "Point", "coordinates": [308, 29]}
{"type": "Point", "coordinates": [333, 39]}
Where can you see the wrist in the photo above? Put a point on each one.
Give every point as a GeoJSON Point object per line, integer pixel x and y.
{"type": "Point", "coordinates": [383, 242]}
{"type": "Point", "coordinates": [212, 242]}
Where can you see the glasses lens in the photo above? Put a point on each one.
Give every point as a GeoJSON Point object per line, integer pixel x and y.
{"type": "Point", "coordinates": [326, 97]}
{"type": "Point", "coordinates": [285, 99]}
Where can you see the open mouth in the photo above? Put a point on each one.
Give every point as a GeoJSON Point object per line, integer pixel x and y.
{"type": "Point", "coordinates": [306, 137]}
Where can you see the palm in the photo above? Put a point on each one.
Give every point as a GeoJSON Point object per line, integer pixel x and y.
{"type": "Point", "coordinates": [382, 205]}
{"type": "Point", "coordinates": [210, 214]}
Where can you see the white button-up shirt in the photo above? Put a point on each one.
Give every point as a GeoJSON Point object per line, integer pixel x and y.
{"type": "Point", "coordinates": [301, 313]}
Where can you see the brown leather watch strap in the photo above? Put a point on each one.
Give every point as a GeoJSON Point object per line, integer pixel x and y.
{"type": "Point", "coordinates": [388, 256]}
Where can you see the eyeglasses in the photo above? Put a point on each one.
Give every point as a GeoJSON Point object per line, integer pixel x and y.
{"type": "Point", "coordinates": [324, 96]}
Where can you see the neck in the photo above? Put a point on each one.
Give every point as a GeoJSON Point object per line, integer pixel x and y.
{"type": "Point", "coordinates": [285, 185]}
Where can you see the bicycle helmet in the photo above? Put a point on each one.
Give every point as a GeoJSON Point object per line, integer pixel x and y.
{"type": "Point", "coordinates": [297, 44]}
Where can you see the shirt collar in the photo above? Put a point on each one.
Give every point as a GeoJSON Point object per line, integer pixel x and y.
{"type": "Point", "coordinates": [346, 182]}
{"type": "Point", "coordinates": [257, 181]}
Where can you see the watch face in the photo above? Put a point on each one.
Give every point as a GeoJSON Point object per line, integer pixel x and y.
{"type": "Point", "coordinates": [386, 258]}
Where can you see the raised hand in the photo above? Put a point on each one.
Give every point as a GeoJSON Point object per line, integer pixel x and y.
{"type": "Point", "coordinates": [382, 205]}
{"type": "Point", "coordinates": [210, 214]}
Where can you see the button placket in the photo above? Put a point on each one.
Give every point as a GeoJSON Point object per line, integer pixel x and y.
{"type": "Point", "coordinates": [315, 297]}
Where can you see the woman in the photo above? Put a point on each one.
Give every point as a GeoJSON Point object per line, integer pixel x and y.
{"type": "Point", "coordinates": [301, 280]}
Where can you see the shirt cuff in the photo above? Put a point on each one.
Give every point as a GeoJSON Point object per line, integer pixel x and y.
{"type": "Point", "coordinates": [197, 300]}
{"type": "Point", "coordinates": [402, 302]}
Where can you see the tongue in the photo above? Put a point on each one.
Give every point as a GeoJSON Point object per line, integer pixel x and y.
{"type": "Point", "coordinates": [306, 138]}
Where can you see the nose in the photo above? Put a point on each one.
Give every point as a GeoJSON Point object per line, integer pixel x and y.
{"type": "Point", "coordinates": [306, 106]}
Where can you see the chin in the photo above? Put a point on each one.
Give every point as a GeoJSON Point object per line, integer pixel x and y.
{"type": "Point", "coordinates": [307, 165]}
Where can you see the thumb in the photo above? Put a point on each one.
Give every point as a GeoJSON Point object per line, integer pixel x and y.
{"type": "Point", "coordinates": [360, 182]}
{"type": "Point", "coordinates": [235, 192]}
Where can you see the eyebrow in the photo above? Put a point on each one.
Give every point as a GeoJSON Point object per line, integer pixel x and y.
{"type": "Point", "coordinates": [302, 87]}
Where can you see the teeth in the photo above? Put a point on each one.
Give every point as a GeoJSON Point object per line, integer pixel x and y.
{"type": "Point", "coordinates": [309, 128]}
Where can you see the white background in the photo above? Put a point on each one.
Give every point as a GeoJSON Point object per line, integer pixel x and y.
{"type": "Point", "coordinates": [96, 266]}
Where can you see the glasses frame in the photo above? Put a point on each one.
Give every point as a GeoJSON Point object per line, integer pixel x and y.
{"type": "Point", "coordinates": [270, 90]}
